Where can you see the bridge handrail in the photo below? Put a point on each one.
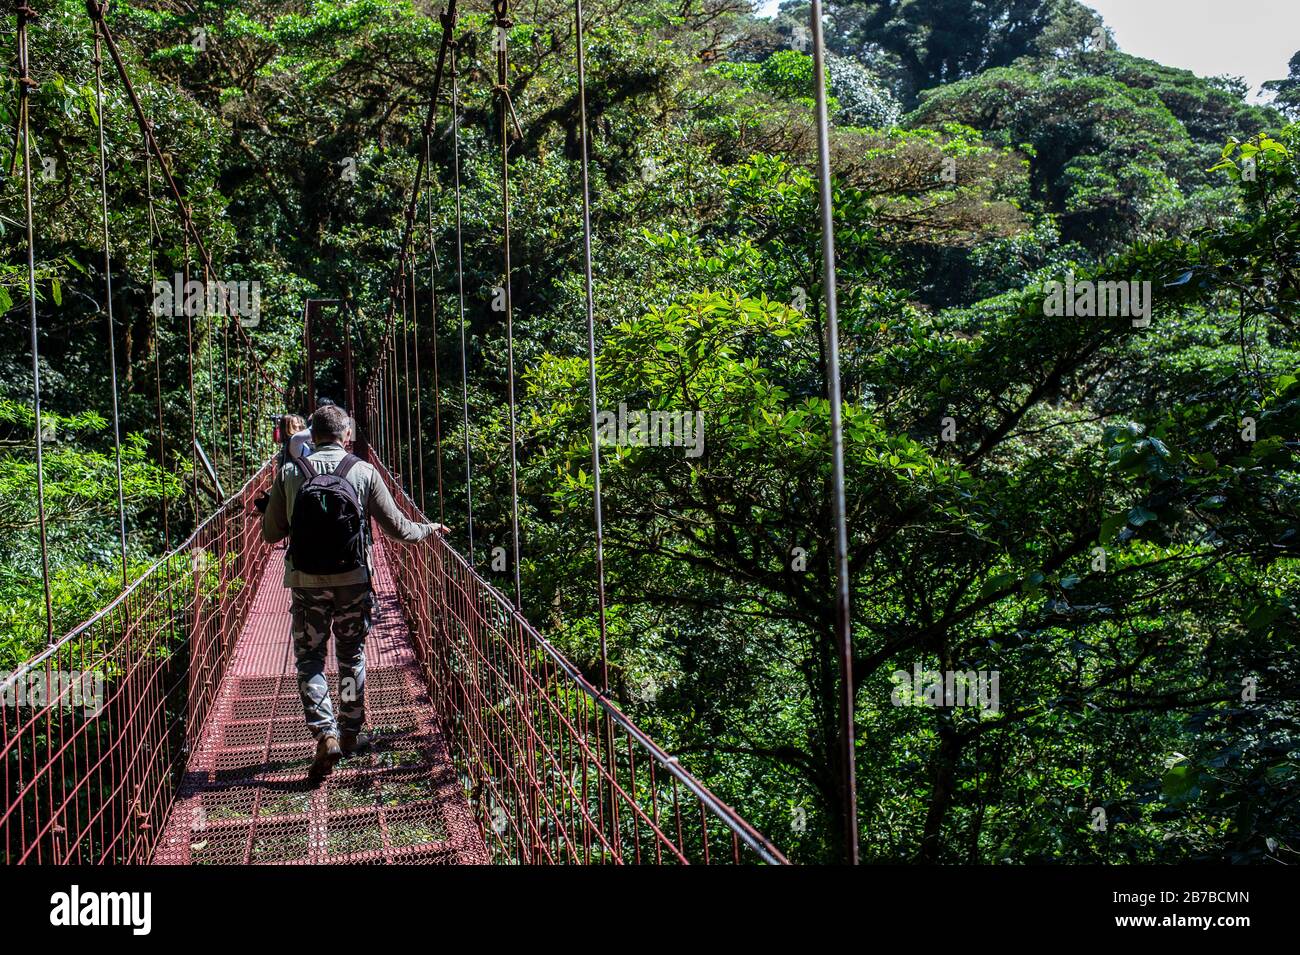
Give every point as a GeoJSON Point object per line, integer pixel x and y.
{"type": "Point", "coordinates": [738, 826]}
{"type": "Point", "coordinates": [92, 778]}
{"type": "Point", "coordinates": [34, 661]}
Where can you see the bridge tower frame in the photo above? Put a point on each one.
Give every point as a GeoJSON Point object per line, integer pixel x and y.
{"type": "Point", "coordinates": [316, 327]}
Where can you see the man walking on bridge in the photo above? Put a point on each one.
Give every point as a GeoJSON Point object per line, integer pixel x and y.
{"type": "Point", "coordinates": [322, 502]}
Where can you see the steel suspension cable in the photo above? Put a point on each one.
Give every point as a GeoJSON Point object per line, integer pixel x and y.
{"type": "Point", "coordinates": [212, 374]}
{"type": "Point", "coordinates": [382, 407]}
{"type": "Point", "coordinates": [108, 291]}
{"type": "Point", "coordinates": [242, 416]}
{"type": "Point", "coordinates": [381, 375]}
{"type": "Point", "coordinates": [419, 405]}
{"type": "Point", "coordinates": [155, 234]}
{"type": "Point", "coordinates": [397, 405]}
{"type": "Point", "coordinates": [843, 611]}
{"type": "Point", "coordinates": [505, 109]}
{"type": "Point", "coordinates": [157, 346]}
{"type": "Point", "coordinates": [189, 353]}
{"type": "Point", "coordinates": [589, 295]}
{"type": "Point", "coordinates": [146, 127]}
{"type": "Point", "coordinates": [390, 395]}
{"type": "Point", "coordinates": [433, 319]}
{"type": "Point", "coordinates": [25, 86]}
{"type": "Point", "coordinates": [412, 420]}
{"type": "Point", "coordinates": [448, 20]}
{"type": "Point", "coordinates": [406, 374]}
{"type": "Point", "coordinates": [191, 233]}
{"type": "Point", "coordinates": [597, 505]}
{"type": "Point", "coordinates": [225, 382]}
{"type": "Point", "coordinates": [386, 410]}
{"type": "Point", "coordinates": [394, 378]}
{"type": "Point", "coordinates": [395, 386]}
{"type": "Point", "coordinates": [460, 292]}
{"type": "Point", "coordinates": [388, 383]}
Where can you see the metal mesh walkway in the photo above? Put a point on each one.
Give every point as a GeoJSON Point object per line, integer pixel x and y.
{"type": "Point", "coordinates": [245, 796]}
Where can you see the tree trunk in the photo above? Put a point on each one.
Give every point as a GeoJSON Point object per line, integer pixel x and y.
{"type": "Point", "coordinates": [945, 779]}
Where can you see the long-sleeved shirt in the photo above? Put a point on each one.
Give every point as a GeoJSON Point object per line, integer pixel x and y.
{"type": "Point", "coordinates": [299, 443]}
{"type": "Point", "coordinates": [295, 445]}
{"type": "Point", "coordinates": [375, 500]}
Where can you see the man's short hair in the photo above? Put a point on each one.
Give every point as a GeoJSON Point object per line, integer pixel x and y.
{"type": "Point", "coordinates": [329, 424]}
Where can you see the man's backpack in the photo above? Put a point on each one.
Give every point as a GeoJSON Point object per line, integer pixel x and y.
{"type": "Point", "coordinates": [327, 534]}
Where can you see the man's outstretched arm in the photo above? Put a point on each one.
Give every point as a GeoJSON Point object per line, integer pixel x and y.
{"type": "Point", "coordinates": [381, 506]}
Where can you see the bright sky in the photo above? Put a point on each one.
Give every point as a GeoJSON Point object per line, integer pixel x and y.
{"type": "Point", "coordinates": [1250, 38]}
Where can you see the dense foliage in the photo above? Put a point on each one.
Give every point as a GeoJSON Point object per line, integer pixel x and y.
{"type": "Point", "coordinates": [1100, 510]}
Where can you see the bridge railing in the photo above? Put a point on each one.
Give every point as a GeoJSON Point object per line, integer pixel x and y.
{"type": "Point", "coordinates": [556, 773]}
{"type": "Point", "coordinates": [95, 730]}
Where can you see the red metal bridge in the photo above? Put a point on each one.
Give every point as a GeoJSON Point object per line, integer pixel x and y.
{"type": "Point", "coordinates": [491, 746]}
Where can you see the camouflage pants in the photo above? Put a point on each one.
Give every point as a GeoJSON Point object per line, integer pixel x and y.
{"type": "Point", "coordinates": [314, 609]}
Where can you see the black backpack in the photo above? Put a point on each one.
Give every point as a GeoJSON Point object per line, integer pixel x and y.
{"type": "Point", "coordinates": [327, 534]}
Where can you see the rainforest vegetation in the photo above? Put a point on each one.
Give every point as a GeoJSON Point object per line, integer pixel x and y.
{"type": "Point", "coordinates": [1101, 509]}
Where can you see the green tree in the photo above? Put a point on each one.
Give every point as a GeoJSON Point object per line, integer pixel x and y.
{"type": "Point", "coordinates": [1286, 92]}
{"type": "Point", "coordinates": [940, 42]}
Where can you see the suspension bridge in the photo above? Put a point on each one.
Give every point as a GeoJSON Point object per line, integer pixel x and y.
{"type": "Point", "coordinates": [490, 745]}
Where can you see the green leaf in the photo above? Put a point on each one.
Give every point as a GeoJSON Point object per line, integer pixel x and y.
{"type": "Point", "coordinates": [1262, 616]}
{"type": "Point", "coordinates": [1137, 516]}
{"type": "Point", "coordinates": [1179, 781]}
{"type": "Point", "coordinates": [997, 583]}
{"type": "Point", "coordinates": [1111, 525]}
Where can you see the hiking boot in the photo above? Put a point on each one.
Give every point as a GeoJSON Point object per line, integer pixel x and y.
{"type": "Point", "coordinates": [327, 754]}
{"type": "Point", "coordinates": [355, 744]}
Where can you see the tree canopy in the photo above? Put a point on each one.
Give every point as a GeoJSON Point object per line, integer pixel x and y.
{"type": "Point", "coordinates": [1097, 503]}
